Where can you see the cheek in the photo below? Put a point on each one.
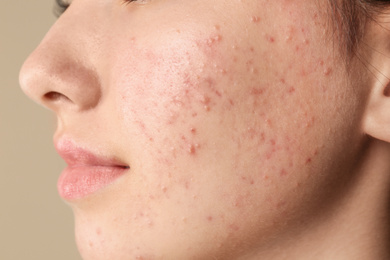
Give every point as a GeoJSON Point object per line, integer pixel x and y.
{"type": "Point", "coordinates": [190, 103]}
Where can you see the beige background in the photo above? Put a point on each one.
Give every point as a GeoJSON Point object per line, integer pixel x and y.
{"type": "Point", "coordinates": [34, 223]}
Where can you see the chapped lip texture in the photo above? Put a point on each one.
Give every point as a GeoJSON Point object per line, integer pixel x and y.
{"type": "Point", "coordinates": [86, 172]}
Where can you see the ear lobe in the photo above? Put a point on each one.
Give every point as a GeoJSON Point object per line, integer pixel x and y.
{"type": "Point", "coordinates": [376, 122]}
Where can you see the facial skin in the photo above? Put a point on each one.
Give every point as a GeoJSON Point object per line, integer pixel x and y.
{"type": "Point", "coordinates": [237, 118]}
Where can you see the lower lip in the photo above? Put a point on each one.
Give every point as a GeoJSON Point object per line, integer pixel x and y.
{"type": "Point", "coordinates": [80, 181]}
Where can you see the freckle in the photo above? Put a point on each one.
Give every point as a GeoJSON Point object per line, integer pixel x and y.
{"type": "Point", "coordinates": [90, 244]}
{"type": "Point", "coordinates": [283, 80]}
{"type": "Point", "coordinates": [231, 102]}
{"type": "Point", "coordinates": [217, 27]}
{"type": "Point", "coordinates": [194, 114]}
{"type": "Point", "coordinates": [252, 49]}
{"type": "Point", "coordinates": [266, 177]}
{"type": "Point", "coordinates": [209, 218]}
{"type": "Point", "coordinates": [164, 189]}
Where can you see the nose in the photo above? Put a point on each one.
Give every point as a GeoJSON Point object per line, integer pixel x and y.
{"type": "Point", "coordinates": [60, 73]}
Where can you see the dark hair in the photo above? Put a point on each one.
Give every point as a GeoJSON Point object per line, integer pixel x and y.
{"type": "Point", "coordinates": [349, 18]}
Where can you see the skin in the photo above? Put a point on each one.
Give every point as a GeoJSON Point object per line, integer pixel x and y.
{"type": "Point", "coordinates": [239, 121]}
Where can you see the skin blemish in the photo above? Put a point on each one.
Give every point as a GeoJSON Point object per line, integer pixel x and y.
{"type": "Point", "coordinates": [328, 71]}
{"type": "Point", "coordinates": [308, 160]}
{"type": "Point", "coordinates": [192, 148]}
{"type": "Point", "coordinates": [255, 19]}
{"type": "Point", "coordinates": [98, 231]}
{"type": "Point", "coordinates": [291, 90]}
{"type": "Point", "coordinates": [283, 172]}
{"type": "Point", "coordinates": [213, 40]}
{"type": "Point", "coordinates": [209, 218]}
{"type": "Point", "coordinates": [270, 38]}
{"type": "Point", "coordinates": [257, 91]}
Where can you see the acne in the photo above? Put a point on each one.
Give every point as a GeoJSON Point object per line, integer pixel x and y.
{"type": "Point", "coordinates": [255, 19]}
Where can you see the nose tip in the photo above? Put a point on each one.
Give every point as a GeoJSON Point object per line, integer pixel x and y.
{"type": "Point", "coordinates": [58, 82]}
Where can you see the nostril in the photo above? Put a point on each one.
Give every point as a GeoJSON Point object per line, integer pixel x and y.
{"type": "Point", "coordinates": [54, 96]}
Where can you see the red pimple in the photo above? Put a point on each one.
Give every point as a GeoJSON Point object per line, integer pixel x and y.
{"type": "Point", "coordinates": [308, 160]}
{"type": "Point", "coordinates": [283, 172]}
{"type": "Point", "coordinates": [327, 71]}
{"type": "Point", "coordinates": [256, 91]}
{"type": "Point", "coordinates": [291, 90]}
{"type": "Point", "coordinates": [192, 148]}
{"type": "Point", "coordinates": [270, 39]}
{"type": "Point", "coordinates": [255, 19]}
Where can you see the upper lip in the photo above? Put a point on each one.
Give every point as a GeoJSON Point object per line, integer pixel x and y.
{"type": "Point", "coordinates": [76, 156]}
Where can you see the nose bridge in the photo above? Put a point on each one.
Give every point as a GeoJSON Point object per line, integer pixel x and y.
{"type": "Point", "coordinates": [60, 73]}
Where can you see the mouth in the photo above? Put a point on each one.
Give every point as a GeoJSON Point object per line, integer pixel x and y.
{"type": "Point", "coordinates": [87, 172]}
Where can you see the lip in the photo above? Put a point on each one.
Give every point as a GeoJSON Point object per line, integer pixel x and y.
{"type": "Point", "coordinates": [86, 173]}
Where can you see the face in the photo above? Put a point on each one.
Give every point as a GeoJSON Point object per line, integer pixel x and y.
{"type": "Point", "coordinates": [232, 116]}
